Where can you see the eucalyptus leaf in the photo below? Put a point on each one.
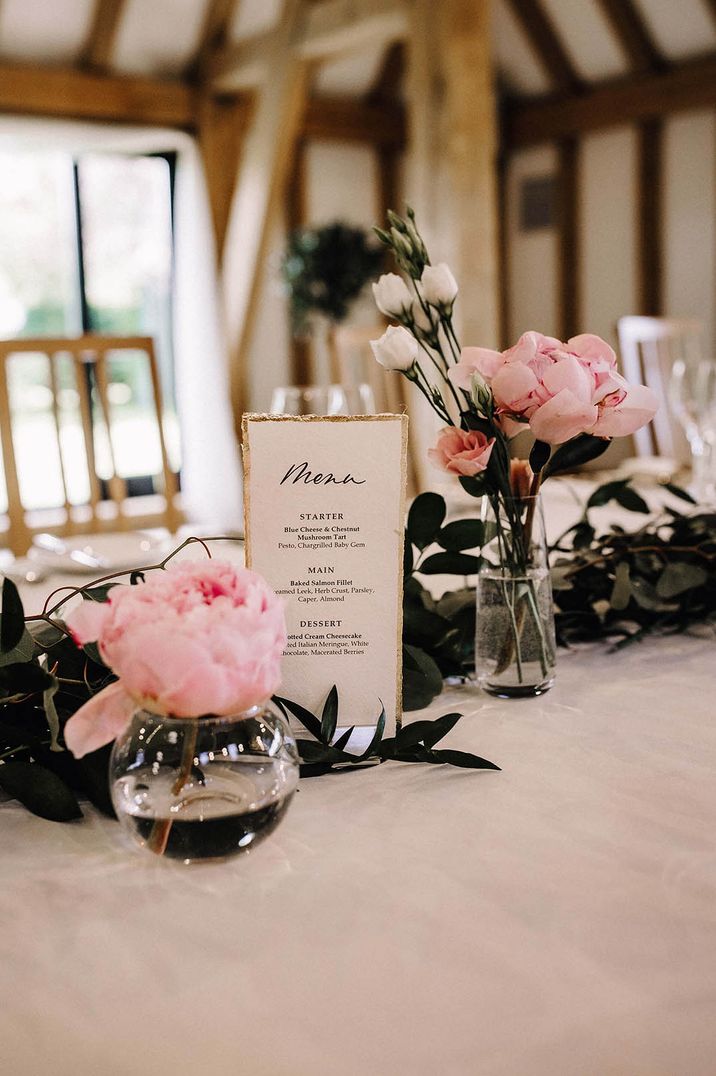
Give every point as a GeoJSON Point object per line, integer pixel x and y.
{"type": "Point", "coordinates": [450, 564]}
{"type": "Point", "coordinates": [621, 591]}
{"type": "Point", "coordinates": [425, 519]}
{"type": "Point", "coordinates": [24, 651]}
{"type": "Point", "coordinates": [680, 576]}
{"type": "Point", "coordinates": [462, 534]}
{"type": "Point", "coordinates": [40, 790]}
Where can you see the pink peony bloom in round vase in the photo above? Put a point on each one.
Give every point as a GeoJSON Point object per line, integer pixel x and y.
{"type": "Point", "coordinates": [201, 766]}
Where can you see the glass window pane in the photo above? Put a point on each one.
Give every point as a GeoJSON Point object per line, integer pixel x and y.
{"type": "Point", "coordinates": [127, 244]}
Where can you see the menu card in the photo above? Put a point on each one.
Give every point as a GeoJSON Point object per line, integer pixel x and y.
{"type": "Point", "coordinates": [324, 504]}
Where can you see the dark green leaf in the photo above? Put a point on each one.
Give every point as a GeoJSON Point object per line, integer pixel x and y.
{"type": "Point", "coordinates": [24, 678]}
{"type": "Point", "coordinates": [476, 487]}
{"type": "Point", "coordinates": [425, 519]}
{"type": "Point", "coordinates": [40, 790]}
{"type": "Point", "coordinates": [307, 719]}
{"type": "Point", "coordinates": [630, 499]}
{"type": "Point", "coordinates": [450, 564]}
{"type": "Point", "coordinates": [24, 651]}
{"type": "Point", "coordinates": [136, 577]}
{"type": "Point", "coordinates": [621, 591]}
{"type": "Point", "coordinates": [462, 534]}
{"type": "Point", "coordinates": [99, 593]}
{"type": "Point", "coordinates": [679, 576]}
{"type": "Point", "coordinates": [422, 679]}
{"type": "Point", "coordinates": [677, 491]}
{"type": "Point", "coordinates": [407, 556]}
{"type": "Point", "coordinates": [575, 453]}
{"type": "Point", "coordinates": [539, 455]}
{"type": "Point", "coordinates": [342, 741]}
{"type": "Point", "coordinates": [329, 717]}
{"type": "Point", "coordinates": [372, 747]}
{"type": "Point", "coordinates": [463, 759]}
{"type": "Point", "coordinates": [426, 732]}
{"type": "Point", "coordinates": [12, 621]}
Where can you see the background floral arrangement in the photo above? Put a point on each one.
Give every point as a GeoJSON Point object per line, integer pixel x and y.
{"type": "Point", "coordinates": [326, 269]}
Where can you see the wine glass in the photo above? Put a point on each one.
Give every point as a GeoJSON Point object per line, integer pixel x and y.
{"type": "Point", "coordinates": [322, 400]}
{"type": "Point", "coordinates": [692, 396]}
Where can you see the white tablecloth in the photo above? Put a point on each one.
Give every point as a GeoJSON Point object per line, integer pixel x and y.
{"type": "Point", "coordinates": [556, 918]}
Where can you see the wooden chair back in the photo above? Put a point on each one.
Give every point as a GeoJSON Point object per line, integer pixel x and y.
{"type": "Point", "coordinates": [649, 348]}
{"type": "Point", "coordinates": [103, 512]}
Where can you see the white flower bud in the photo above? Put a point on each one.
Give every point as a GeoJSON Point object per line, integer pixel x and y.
{"type": "Point", "coordinates": [438, 286]}
{"type": "Point", "coordinates": [396, 349]}
{"type": "Point", "coordinates": [425, 327]}
{"type": "Point", "coordinates": [391, 295]}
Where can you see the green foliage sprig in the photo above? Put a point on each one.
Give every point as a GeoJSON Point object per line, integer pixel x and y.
{"type": "Point", "coordinates": [614, 585]}
{"type": "Point", "coordinates": [414, 742]}
{"type": "Point", "coordinates": [326, 269]}
{"type": "Point", "coordinates": [45, 678]}
{"type": "Point", "coordinates": [623, 585]}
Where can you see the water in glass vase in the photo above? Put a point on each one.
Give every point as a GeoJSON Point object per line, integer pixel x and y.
{"type": "Point", "coordinates": [222, 810]}
{"type": "Point", "coordinates": [515, 649]}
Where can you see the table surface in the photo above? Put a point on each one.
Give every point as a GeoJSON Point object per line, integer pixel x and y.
{"type": "Point", "coordinates": [557, 917]}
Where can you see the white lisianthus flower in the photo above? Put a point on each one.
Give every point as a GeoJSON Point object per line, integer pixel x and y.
{"type": "Point", "coordinates": [391, 295]}
{"type": "Point", "coordinates": [438, 287]}
{"type": "Point", "coordinates": [397, 349]}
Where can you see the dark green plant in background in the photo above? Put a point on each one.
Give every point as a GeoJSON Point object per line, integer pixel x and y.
{"type": "Point", "coordinates": [326, 269]}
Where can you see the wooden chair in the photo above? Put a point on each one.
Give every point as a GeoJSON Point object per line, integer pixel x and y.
{"type": "Point", "coordinates": [108, 508]}
{"type": "Point", "coordinates": [649, 348]}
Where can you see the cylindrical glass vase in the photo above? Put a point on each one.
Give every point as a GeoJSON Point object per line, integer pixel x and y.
{"type": "Point", "coordinates": [515, 648]}
{"type": "Point", "coordinates": [203, 788]}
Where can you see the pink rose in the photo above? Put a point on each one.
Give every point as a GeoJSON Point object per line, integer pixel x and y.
{"type": "Point", "coordinates": [464, 452]}
{"type": "Point", "coordinates": [198, 638]}
{"type": "Point", "coordinates": [561, 390]}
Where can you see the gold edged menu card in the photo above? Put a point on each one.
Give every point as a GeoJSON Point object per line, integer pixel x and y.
{"type": "Point", "coordinates": [324, 503]}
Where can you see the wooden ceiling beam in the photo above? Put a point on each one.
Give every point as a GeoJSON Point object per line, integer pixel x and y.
{"type": "Point", "coordinates": [633, 36]}
{"type": "Point", "coordinates": [324, 29]}
{"type": "Point", "coordinates": [214, 36]}
{"type": "Point", "coordinates": [630, 100]}
{"type": "Point", "coordinates": [547, 44]}
{"type": "Point", "coordinates": [98, 48]}
{"type": "Point", "coordinates": [68, 93]}
{"type": "Point", "coordinates": [339, 119]}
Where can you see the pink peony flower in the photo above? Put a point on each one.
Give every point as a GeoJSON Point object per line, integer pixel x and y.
{"type": "Point", "coordinates": [198, 638]}
{"type": "Point", "coordinates": [561, 390]}
{"type": "Point", "coordinates": [464, 452]}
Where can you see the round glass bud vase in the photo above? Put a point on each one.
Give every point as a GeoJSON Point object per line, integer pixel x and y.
{"type": "Point", "coordinates": [515, 648]}
{"type": "Point", "coordinates": [203, 788]}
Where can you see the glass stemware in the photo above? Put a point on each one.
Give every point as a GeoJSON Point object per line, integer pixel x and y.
{"type": "Point", "coordinates": [322, 400]}
{"type": "Point", "coordinates": [692, 396]}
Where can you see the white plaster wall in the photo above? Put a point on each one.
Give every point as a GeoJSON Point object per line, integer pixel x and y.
{"type": "Point", "coordinates": [608, 269]}
{"type": "Point", "coordinates": [532, 260]}
{"type": "Point", "coordinates": [690, 219]}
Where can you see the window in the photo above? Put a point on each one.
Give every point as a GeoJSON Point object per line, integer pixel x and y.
{"type": "Point", "coordinates": [86, 246]}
